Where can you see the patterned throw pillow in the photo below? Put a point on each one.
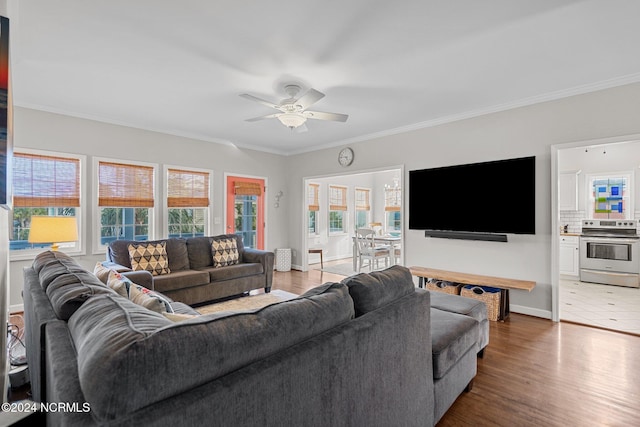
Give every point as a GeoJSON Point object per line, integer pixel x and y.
{"type": "Point", "coordinates": [101, 272]}
{"type": "Point", "coordinates": [138, 294]}
{"type": "Point", "coordinates": [149, 256]}
{"type": "Point", "coordinates": [225, 252]}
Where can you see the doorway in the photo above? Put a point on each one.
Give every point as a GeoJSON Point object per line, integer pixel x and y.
{"type": "Point", "coordinates": [245, 209]}
{"type": "Point", "coordinates": [579, 298]}
{"type": "Point", "coordinates": [336, 205]}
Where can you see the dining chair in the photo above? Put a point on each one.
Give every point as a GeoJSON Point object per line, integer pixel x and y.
{"type": "Point", "coordinates": [368, 250]}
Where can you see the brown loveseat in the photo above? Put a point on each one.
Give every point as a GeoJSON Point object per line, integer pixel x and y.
{"type": "Point", "coordinates": [193, 278]}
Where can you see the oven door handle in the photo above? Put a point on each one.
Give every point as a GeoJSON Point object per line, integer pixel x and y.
{"type": "Point", "coordinates": [610, 240]}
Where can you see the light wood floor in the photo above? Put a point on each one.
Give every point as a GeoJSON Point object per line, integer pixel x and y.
{"type": "Point", "coordinates": [538, 373]}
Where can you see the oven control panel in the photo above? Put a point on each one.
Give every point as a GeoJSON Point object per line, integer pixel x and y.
{"type": "Point", "coordinates": [609, 223]}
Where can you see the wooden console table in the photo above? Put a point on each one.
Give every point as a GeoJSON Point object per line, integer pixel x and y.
{"type": "Point", "coordinates": [475, 279]}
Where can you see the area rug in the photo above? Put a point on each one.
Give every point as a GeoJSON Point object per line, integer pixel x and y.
{"type": "Point", "coordinates": [346, 269]}
{"type": "Point", "coordinates": [251, 302]}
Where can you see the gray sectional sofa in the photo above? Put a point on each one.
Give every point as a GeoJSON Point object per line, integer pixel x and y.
{"type": "Point", "coordinates": [370, 351]}
{"type": "Point", "coordinates": [193, 278]}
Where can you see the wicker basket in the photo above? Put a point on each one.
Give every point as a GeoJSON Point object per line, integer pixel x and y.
{"type": "Point", "coordinates": [443, 286]}
{"type": "Point", "coordinates": [490, 297]}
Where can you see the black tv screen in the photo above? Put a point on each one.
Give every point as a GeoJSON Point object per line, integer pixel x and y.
{"type": "Point", "coordinates": [488, 197]}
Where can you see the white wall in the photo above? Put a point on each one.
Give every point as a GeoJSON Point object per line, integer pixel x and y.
{"type": "Point", "coordinates": [527, 131]}
{"type": "Point", "coordinates": [53, 132]}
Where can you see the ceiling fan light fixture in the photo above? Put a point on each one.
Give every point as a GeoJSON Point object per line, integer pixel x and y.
{"type": "Point", "coordinates": [291, 120]}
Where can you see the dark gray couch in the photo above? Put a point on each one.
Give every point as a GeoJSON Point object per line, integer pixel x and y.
{"type": "Point", "coordinates": [366, 352]}
{"type": "Point", "coordinates": [193, 278]}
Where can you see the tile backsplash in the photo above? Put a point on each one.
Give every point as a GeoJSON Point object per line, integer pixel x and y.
{"type": "Point", "coordinates": [574, 220]}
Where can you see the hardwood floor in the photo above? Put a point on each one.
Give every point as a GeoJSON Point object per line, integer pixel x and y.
{"type": "Point", "coordinates": [538, 373]}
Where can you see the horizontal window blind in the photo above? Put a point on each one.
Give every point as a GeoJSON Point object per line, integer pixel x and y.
{"type": "Point", "coordinates": [45, 181]}
{"type": "Point", "coordinates": [337, 198]}
{"type": "Point", "coordinates": [125, 185]}
{"type": "Point", "coordinates": [247, 188]}
{"type": "Point", "coordinates": [187, 189]}
{"type": "Point", "coordinates": [313, 192]}
{"type": "Point", "coordinates": [362, 199]}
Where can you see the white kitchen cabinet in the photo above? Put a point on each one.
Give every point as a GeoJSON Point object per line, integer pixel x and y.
{"type": "Point", "coordinates": [569, 191]}
{"type": "Point", "coordinates": [569, 256]}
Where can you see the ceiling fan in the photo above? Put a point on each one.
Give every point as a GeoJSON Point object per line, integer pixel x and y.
{"type": "Point", "coordinates": [293, 110]}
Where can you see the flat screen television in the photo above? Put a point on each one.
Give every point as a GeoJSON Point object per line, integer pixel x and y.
{"type": "Point", "coordinates": [488, 197]}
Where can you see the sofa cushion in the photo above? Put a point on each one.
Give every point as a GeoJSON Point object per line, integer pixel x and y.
{"type": "Point", "coordinates": [164, 358]}
{"type": "Point", "coordinates": [139, 294]}
{"type": "Point", "coordinates": [458, 304]}
{"type": "Point", "coordinates": [150, 257]}
{"type": "Point", "coordinates": [51, 264]}
{"type": "Point", "coordinates": [68, 291]}
{"type": "Point", "coordinates": [377, 289]}
{"type": "Point", "coordinates": [180, 280]}
{"type": "Point", "coordinates": [199, 251]}
{"type": "Point", "coordinates": [452, 335]}
{"type": "Point", "coordinates": [234, 271]}
{"type": "Point", "coordinates": [225, 252]}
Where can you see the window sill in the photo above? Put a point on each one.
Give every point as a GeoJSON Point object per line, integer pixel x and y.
{"type": "Point", "coordinates": [31, 255]}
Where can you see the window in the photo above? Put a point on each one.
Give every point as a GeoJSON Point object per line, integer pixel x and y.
{"type": "Point", "coordinates": [125, 199]}
{"type": "Point", "coordinates": [363, 207]}
{"type": "Point", "coordinates": [313, 197]}
{"type": "Point", "coordinates": [392, 204]}
{"type": "Point", "coordinates": [187, 202]}
{"type": "Point", "coordinates": [43, 184]}
{"type": "Point", "coordinates": [337, 208]}
{"type": "Point", "coordinates": [609, 197]}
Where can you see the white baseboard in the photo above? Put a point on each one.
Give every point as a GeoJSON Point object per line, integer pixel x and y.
{"type": "Point", "coordinates": [16, 308]}
{"type": "Point", "coordinates": [545, 314]}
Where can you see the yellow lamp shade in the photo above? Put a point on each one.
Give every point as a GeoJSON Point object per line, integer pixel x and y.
{"type": "Point", "coordinates": [53, 229]}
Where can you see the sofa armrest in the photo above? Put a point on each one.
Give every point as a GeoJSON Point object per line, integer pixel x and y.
{"type": "Point", "coordinates": [265, 258]}
{"type": "Point", "coordinates": [142, 277]}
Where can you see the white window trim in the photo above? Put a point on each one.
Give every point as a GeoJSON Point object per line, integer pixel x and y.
{"type": "Point", "coordinates": [165, 193]}
{"type": "Point", "coordinates": [95, 209]}
{"type": "Point", "coordinates": [356, 210]}
{"type": "Point", "coordinates": [345, 214]}
{"type": "Point", "coordinates": [29, 254]}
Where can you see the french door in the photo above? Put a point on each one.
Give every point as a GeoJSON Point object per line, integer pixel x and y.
{"type": "Point", "coordinates": [245, 210]}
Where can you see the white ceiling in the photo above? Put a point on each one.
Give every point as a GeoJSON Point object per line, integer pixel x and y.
{"type": "Point", "coordinates": [179, 67]}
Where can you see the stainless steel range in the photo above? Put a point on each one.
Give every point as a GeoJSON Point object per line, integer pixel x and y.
{"type": "Point", "coordinates": [609, 252]}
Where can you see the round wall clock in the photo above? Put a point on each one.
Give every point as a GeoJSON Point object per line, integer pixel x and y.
{"type": "Point", "coordinates": [345, 157]}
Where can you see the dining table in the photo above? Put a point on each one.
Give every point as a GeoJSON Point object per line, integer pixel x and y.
{"type": "Point", "coordinates": [386, 239]}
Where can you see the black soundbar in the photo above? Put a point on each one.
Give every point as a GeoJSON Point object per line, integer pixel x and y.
{"type": "Point", "coordinates": [466, 235]}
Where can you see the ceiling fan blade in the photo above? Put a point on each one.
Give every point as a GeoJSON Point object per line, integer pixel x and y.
{"type": "Point", "coordinates": [268, 116]}
{"type": "Point", "coordinates": [302, 128]}
{"type": "Point", "coordinates": [311, 97]}
{"type": "Point", "coordinates": [261, 101]}
{"type": "Point", "coordinates": [319, 115]}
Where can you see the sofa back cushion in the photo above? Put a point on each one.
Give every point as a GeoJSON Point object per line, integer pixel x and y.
{"type": "Point", "coordinates": [373, 290]}
{"type": "Point", "coordinates": [200, 249]}
{"type": "Point", "coordinates": [69, 291]}
{"type": "Point", "coordinates": [66, 283]}
{"type": "Point", "coordinates": [123, 348]}
{"type": "Point", "coordinates": [176, 249]}
{"type": "Point", "coordinates": [51, 264]}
